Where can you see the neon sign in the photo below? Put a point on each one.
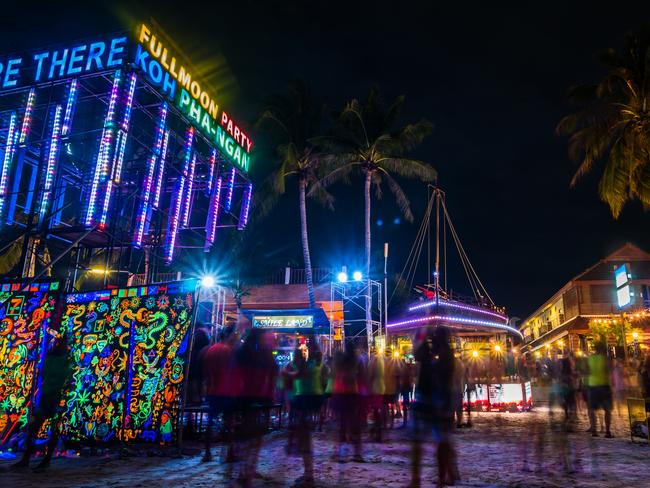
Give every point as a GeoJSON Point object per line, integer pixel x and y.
{"type": "Point", "coordinates": [283, 321]}
{"type": "Point", "coordinates": [176, 82]}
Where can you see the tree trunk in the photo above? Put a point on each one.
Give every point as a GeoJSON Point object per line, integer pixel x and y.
{"type": "Point", "coordinates": [369, 333]}
{"type": "Point", "coordinates": [305, 244]}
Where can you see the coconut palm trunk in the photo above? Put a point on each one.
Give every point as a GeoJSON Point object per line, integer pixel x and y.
{"type": "Point", "coordinates": [368, 182]}
{"type": "Point", "coordinates": [305, 244]}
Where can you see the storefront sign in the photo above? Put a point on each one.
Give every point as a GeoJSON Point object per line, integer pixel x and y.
{"type": "Point", "coordinates": [283, 321]}
{"type": "Point", "coordinates": [177, 82]}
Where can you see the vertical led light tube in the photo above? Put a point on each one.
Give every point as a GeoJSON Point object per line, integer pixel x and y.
{"type": "Point", "coordinates": [213, 216]}
{"type": "Point", "coordinates": [245, 208]}
{"type": "Point", "coordinates": [6, 161]}
{"type": "Point", "coordinates": [161, 172]}
{"type": "Point", "coordinates": [231, 189]}
{"type": "Point", "coordinates": [101, 167]}
{"type": "Point", "coordinates": [120, 146]}
{"type": "Point", "coordinates": [69, 108]}
{"type": "Point", "coordinates": [52, 159]}
{"type": "Point", "coordinates": [149, 178]}
{"type": "Point", "coordinates": [212, 163]}
{"type": "Point", "coordinates": [177, 200]}
{"type": "Point", "coordinates": [187, 201]}
{"type": "Point", "coordinates": [27, 117]}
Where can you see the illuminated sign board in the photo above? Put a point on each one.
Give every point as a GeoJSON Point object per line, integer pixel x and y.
{"type": "Point", "coordinates": [161, 67]}
{"type": "Point", "coordinates": [283, 321]}
{"type": "Point", "coordinates": [56, 64]}
{"type": "Point", "coordinates": [176, 81]}
{"type": "Point", "coordinates": [622, 280]}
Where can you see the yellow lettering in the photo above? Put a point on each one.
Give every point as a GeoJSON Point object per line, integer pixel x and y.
{"type": "Point", "coordinates": [213, 110]}
{"type": "Point", "coordinates": [152, 47]}
{"type": "Point", "coordinates": [205, 100]}
{"type": "Point", "coordinates": [195, 89]}
{"type": "Point", "coordinates": [144, 34]}
{"type": "Point", "coordinates": [184, 78]}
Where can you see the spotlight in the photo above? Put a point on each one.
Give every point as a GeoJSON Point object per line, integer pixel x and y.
{"type": "Point", "coordinates": [208, 281]}
{"type": "Point", "coordinates": [497, 348]}
{"type": "Point", "coordinates": [474, 354]}
{"type": "Point", "coordinates": [356, 276]}
{"type": "Point", "coordinates": [635, 335]}
{"type": "Point", "coordinates": [342, 277]}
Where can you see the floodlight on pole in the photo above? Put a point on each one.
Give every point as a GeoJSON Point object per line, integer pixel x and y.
{"type": "Point", "coordinates": [342, 277]}
{"type": "Point", "coordinates": [357, 276]}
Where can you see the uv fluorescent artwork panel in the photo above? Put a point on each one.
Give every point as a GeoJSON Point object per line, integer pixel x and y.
{"type": "Point", "coordinates": [24, 318]}
{"type": "Point", "coordinates": [130, 348]}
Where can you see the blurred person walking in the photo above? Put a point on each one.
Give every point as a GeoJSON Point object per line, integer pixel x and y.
{"type": "Point", "coordinates": [434, 403]}
{"type": "Point", "coordinates": [218, 364]}
{"type": "Point", "coordinates": [56, 374]}
{"type": "Point", "coordinates": [599, 391]}
{"type": "Point", "coordinates": [377, 388]}
{"type": "Point", "coordinates": [346, 401]}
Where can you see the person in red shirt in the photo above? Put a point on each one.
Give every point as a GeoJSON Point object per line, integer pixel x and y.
{"type": "Point", "coordinates": [218, 366]}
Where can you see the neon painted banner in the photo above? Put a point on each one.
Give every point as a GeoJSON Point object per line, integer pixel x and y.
{"type": "Point", "coordinates": [129, 348]}
{"type": "Point", "coordinates": [24, 319]}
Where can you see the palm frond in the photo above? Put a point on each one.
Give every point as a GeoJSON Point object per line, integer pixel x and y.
{"type": "Point", "coordinates": [400, 197]}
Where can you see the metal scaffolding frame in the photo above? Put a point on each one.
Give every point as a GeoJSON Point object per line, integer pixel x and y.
{"type": "Point", "coordinates": [65, 179]}
{"type": "Point", "coordinates": [363, 298]}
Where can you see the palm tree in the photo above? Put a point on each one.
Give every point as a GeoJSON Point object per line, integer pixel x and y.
{"type": "Point", "coordinates": [613, 127]}
{"type": "Point", "coordinates": [366, 138]}
{"type": "Point", "coordinates": [294, 120]}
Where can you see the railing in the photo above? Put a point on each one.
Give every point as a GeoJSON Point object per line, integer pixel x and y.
{"type": "Point", "coordinates": [141, 279]}
{"type": "Point", "coordinates": [297, 276]}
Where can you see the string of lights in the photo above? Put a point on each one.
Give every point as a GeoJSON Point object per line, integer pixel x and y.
{"type": "Point", "coordinates": [101, 167]}
{"type": "Point", "coordinates": [187, 199]}
{"type": "Point", "coordinates": [231, 189]}
{"type": "Point", "coordinates": [69, 108]}
{"type": "Point", "coordinates": [7, 160]}
{"type": "Point", "coordinates": [243, 214]}
{"type": "Point", "coordinates": [149, 178]}
{"type": "Point", "coordinates": [213, 215]}
{"type": "Point", "coordinates": [52, 159]}
{"type": "Point", "coordinates": [454, 319]}
{"type": "Point", "coordinates": [161, 172]}
{"type": "Point", "coordinates": [460, 306]}
{"type": "Point", "coordinates": [27, 117]}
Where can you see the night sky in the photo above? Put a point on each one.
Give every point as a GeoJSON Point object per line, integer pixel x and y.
{"type": "Point", "coordinates": [493, 80]}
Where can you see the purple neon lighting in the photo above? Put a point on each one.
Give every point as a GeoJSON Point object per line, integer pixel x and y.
{"type": "Point", "coordinates": [27, 118]}
{"type": "Point", "coordinates": [459, 306]}
{"type": "Point", "coordinates": [149, 178]}
{"type": "Point", "coordinates": [7, 160]}
{"type": "Point", "coordinates": [213, 215]}
{"type": "Point", "coordinates": [120, 147]}
{"type": "Point", "coordinates": [187, 201]}
{"type": "Point", "coordinates": [231, 189]}
{"type": "Point", "coordinates": [161, 172]}
{"type": "Point", "coordinates": [69, 108]}
{"type": "Point", "coordinates": [52, 159]}
{"type": "Point", "coordinates": [177, 199]}
{"type": "Point", "coordinates": [101, 167]}
{"type": "Point", "coordinates": [212, 163]}
{"type": "Point", "coordinates": [243, 215]}
{"type": "Point", "coordinates": [455, 319]}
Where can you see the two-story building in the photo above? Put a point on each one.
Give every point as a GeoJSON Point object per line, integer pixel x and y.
{"type": "Point", "coordinates": [563, 320]}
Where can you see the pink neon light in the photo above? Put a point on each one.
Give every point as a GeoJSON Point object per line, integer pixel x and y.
{"type": "Point", "coordinates": [455, 319]}
{"type": "Point", "coordinates": [231, 188]}
{"type": "Point", "coordinates": [161, 172]}
{"type": "Point", "coordinates": [52, 158]}
{"type": "Point", "coordinates": [212, 163]}
{"type": "Point", "coordinates": [446, 303]}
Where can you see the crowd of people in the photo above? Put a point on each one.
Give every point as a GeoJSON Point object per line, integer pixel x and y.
{"type": "Point", "coordinates": [363, 393]}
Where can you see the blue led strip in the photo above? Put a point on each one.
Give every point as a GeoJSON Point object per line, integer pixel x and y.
{"type": "Point", "coordinates": [231, 189]}
{"type": "Point", "coordinates": [455, 319]}
{"type": "Point", "coordinates": [52, 160]}
{"type": "Point", "coordinates": [69, 107]}
{"type": "Point", "coordinates": [245, 208]}
{"type": "Point", "coordinates": [213, 215]}
{"type": "Point", "coordinates": [7, 159]}
{"type": "Point", "coordinates": [161, 172]}
{"type": "Point", "coordinates": [28, 115]}
{"type": "Point", "coordinates": [101, 166]}
{"type": "Point", "coordinates": [210, 181]}
{"type": "Point", "coordinates": [187, 201]}
{"type": "Point", "coordinates": [177, 200]}
{"type": "Point", "coordinates": [149, 178]}
{"type": "Point", "coordinates": [120, 146]}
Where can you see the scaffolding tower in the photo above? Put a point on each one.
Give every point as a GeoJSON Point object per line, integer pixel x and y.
{"type": "Point", "coordinates": [362, 310]}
